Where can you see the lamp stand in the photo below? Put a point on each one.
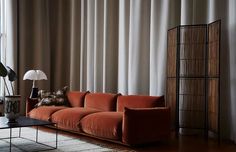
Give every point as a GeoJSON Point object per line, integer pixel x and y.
{"type": "Point", "coordinates": [34, 93]}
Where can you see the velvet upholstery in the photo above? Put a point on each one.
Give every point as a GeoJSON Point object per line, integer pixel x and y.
{"type": "Point", "coordinates": [145, 125]}
{"type": "Point", "coordinates": [103, 124]}
{"type": "Point", "coordinates": [137, 101]}
{"type": "Point", "coordinates": [44, 112]}
{"type": "Point", "coordinates": [69, 118]}
{"type": "Point", "coordinates": [76, 98]}
{"type": "Point", "coordinates": [101, 101]}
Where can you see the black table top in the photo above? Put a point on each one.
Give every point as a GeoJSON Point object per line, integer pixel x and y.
{"type": "Point", "coordinates": [22, 122]}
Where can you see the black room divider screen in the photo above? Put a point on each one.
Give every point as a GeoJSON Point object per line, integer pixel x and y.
{"type": "Point", "coordinates": [193, 77]}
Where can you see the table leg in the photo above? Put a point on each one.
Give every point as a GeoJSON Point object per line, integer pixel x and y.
{"type": "Point", "coordinates": [56, 135]}
{"type": "Point", "coordinates": [10, 137]}
{"type": "Point", "coordinates": [20, 132]}
{"type": "Point", "coordinates": [37, 132]}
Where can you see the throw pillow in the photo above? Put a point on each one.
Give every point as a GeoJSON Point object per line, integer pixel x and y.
{"type": "Point", "coordinates": [57, 98]}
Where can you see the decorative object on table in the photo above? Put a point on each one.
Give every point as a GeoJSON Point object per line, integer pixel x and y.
{"type": "Point", "coordinates": [34, 75]}
{"type": "Point", "coordinates": [12, 108]}
{"type": "Point", "coordinates": [3, 74]}
{"type": "Point", "coordinates": [57, 98]}
{"type": "Point", "coordinates": [11, 101]}
{"type": "Point", "coordinates": [12, 77]}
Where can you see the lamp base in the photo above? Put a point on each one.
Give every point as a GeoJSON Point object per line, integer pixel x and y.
{"type": "Point", "coordinates": [34, 93]}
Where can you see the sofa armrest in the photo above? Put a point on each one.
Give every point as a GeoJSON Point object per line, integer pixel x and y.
{"type": "Point", "coordinates": [30, 104]}
{"type": "Point", "coordinates": [145, 125]}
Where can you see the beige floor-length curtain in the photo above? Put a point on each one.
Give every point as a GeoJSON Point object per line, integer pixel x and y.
{"type": "Point", "coordinates": [230, 107]}
{"type": "Point", "coordinates": [142, 44]}
{"type": "Point", "coordinates": [118, 45]}
{"type": "Point", "coordinates": [49, 35]}
{"type": "Point", "coordinates": [34, 44]}
{"type": "Point", "coordinates": [99, 46]}
{"type": "Point", "coordinates": [79, 43]}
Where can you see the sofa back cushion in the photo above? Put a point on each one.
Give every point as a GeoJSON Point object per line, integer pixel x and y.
{"type": "Point", "coordinates": [76, 98]}
{"type": "Point", "coordinates": [101, 101]}
{"type": "Point", "coordinates": [137, 101]}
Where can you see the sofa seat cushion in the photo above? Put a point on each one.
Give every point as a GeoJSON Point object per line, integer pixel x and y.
{"type": "Point", "coordinates": [44, 112]}
{"type": "Point", "coordinates": [69, 118]}
{"type": "Point", "coordinates": [103, 124]}
{"type": "Point", "coordinates": [138, 101]}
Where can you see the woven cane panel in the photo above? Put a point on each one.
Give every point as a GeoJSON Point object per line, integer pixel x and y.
{"type": "Point", "coordinates": [171, 52]}
{"type": "Point", "coordinates": [213, 51]}
{"type": "Point", "coordinates": [213, 103]}
{"type": "Point", "coordinates": [171, 97]}
{"type": "Point", "coordinates": [192, 51]}
{"type": "Point", "coordinates": [191, 102]}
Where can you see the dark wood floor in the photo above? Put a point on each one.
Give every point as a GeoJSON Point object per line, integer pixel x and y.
{"type": "Point", "coordinates": [180, 144]}
{"type": "Point", "coordinates": [191, 144]}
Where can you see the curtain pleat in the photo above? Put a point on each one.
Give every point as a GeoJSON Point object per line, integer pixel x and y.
{"type": "Point", "coordinates": [229, 120]}
{"type": "Point", "coordinates": [83, 48]}
{"type": "Point", "coordinates": [158, 36]}
{"type": "Point", "coordinates": [187, 12]}
{"type": "Point", "coordinates": [75, 32]}
{"type": "Point", "coordinates": [90, 44]}
{"type": "Point", "coordinates": [123, 50]}
{"type": "Point", "coordinates": [110, 52]}
{"type": "Point", "coordinates": [139, 47]}
{"type": "Point", "coordinates": [99, 45]}
{"type": "Point", "coordinates": [60, 25]}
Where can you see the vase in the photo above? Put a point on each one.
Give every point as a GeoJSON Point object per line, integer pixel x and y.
{"type": "Point", "coordinates": [12, 108]}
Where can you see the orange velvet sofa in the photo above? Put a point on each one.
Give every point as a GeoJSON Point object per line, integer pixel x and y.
{"type": "Point", "coordinates": [128, 119]}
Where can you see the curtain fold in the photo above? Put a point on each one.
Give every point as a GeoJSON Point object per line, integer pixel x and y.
{"type": "Point", "coordinates": [123, 50]}
{"type": "Point", "coordinates": [99, 45]}
{"type": "Point", "coordinates": [90, 45]}
{"type": "Point", "coordinates": [117, 46]}
{"type": "Point", "coordinates": [139, 47]}
{"type": "Point", "coordinates": [75, 32]}
{"type": "Point", "coordinates": [158, 37]}
{"type": "Point", "coordinates": [229, 119]}
{"type": "Point", "coordinates": [83, 48]}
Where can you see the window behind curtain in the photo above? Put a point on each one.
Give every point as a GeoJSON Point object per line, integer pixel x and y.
{"type": "Point", "coordinates": [1, 18]}
{"type": "Point", "coordinates": [2, 39]}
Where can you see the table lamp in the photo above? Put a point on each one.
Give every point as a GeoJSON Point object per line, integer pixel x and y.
{"type": "Point", "coordinates": [34, 75]}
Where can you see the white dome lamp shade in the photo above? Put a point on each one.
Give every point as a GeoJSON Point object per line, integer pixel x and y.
{"type": "Point", "coordinates": [34, 75]}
